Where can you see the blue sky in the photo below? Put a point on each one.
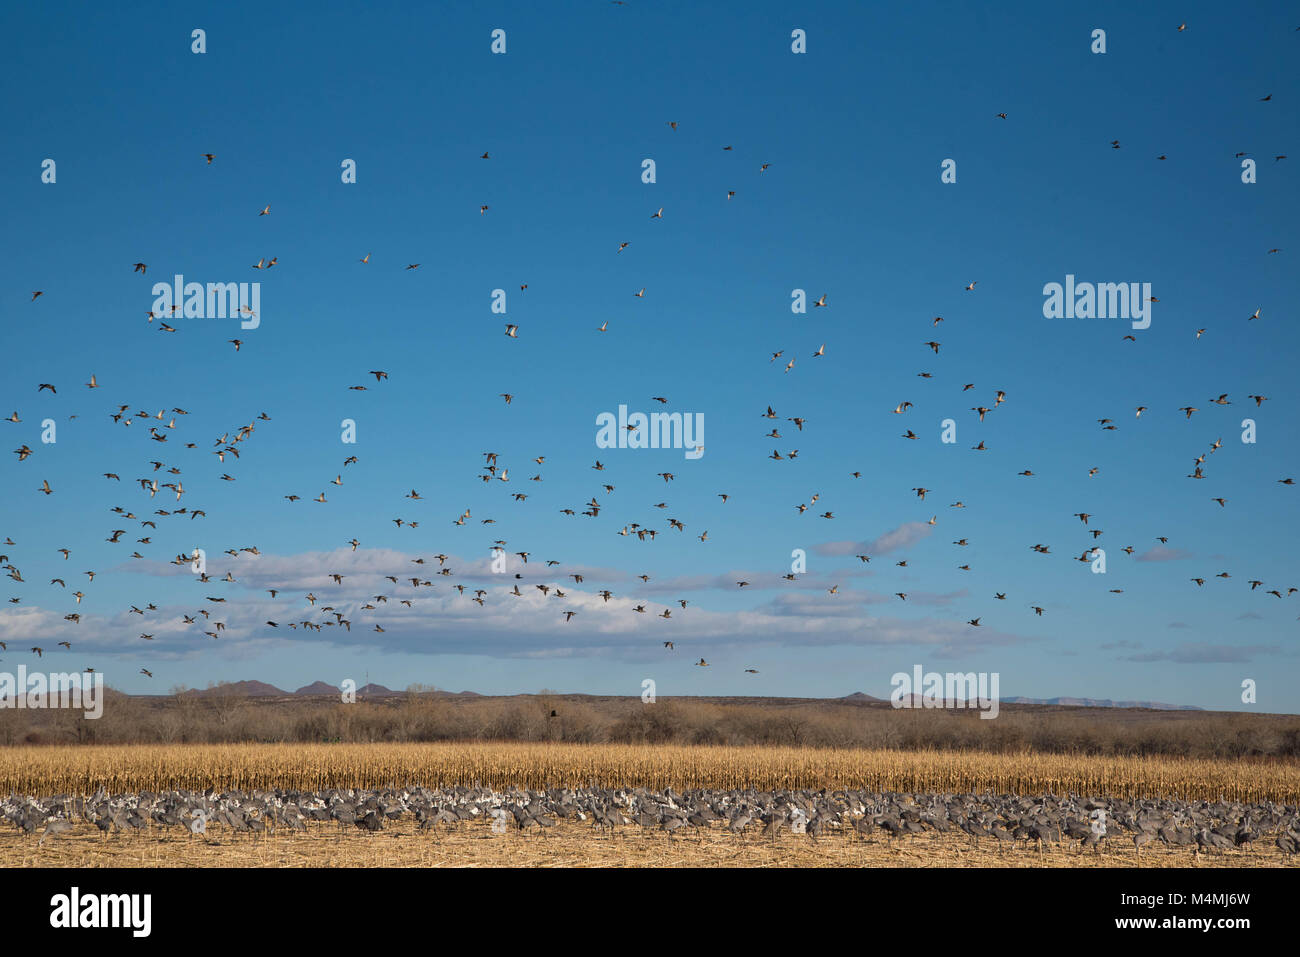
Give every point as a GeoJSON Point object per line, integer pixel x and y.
{"type": "Point", "coordinates": [850, 206]}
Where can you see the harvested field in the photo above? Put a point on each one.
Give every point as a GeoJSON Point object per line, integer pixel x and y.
{"type": "Point", "coordinates": [575, 805]}
{"type": "Point", "coordinates": [574, 845]}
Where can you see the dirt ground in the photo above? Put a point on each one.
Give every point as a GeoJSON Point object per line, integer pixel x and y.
{"type": "Point", "coordinates": [571, 844]}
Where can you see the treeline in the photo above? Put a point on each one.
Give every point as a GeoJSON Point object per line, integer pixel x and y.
{"type": "Point", "coordinates": [217, 716]}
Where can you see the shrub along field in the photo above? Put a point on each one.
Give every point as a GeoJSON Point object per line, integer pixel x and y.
{"type": "Point", "coordinates": [223, 715]}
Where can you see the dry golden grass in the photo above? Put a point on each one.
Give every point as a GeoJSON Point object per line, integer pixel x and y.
{"type": "Point", "coordinates": [74, 769]}
{"type": "Point", "coordinates": [570, 844]}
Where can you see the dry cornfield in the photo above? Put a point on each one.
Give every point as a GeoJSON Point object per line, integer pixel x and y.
{"type": "Point", "coordinates": [132, 768]}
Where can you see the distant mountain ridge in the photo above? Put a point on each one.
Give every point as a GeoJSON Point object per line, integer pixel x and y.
{"type": "Point", "coordinates": [1063, 702]}
{"type": "Point", "coordinates": [317, 687]}
{"type": "Point", "coordinates": [245, 689]}
{"type": "Point", "coordinates": [260, 689]}
{"type": "Point", "coordinates": [1104, 703]}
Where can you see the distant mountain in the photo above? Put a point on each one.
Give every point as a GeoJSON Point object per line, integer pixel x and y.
{"type": "Point", "coordinates": [245, 689]}
{"type": "Point", "coordinates": [260, 689]}
{"type": "Point", "coordinates": [1104, 703]}
{"type": "Point", "coordinates": [317, 687]}
{"type": "Point", "coordinates": [1064, 702]}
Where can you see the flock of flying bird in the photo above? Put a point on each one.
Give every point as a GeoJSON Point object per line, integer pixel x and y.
{"type": "Point", "coordinates": [161, 495]}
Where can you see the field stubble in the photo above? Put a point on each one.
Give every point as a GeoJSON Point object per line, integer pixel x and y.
{"type": "Point", "coordinates": [572, 844]}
